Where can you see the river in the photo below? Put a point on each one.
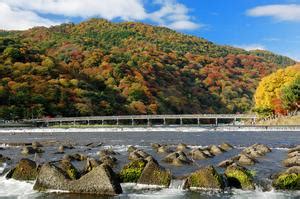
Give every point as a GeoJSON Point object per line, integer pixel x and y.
{"type": "Point", "coordinates": [268, 165]}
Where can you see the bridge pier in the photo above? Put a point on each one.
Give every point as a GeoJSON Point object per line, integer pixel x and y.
{"type": "Point", "coordinates": [181, 122]}
{"type": "Point", "coordinates": [198, 121]}
{"type": "Point", "coordinates": [216, 121]}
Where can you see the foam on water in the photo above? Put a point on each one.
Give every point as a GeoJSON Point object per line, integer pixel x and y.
{"type": "Point", "coordinates": [240, 194]}
{"type": "Point", "coordinates": [132, 190]}
{"type": "Point", "coordinates": [16, 189]}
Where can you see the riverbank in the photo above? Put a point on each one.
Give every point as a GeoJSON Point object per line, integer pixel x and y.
{"type": "Point", "coordinates": [150, 129]}
{"type": "Point", "coordinates": [288, 120]}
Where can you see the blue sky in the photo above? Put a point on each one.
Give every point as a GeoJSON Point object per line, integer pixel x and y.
{"type": "Point", "coordinates": [250, 24]}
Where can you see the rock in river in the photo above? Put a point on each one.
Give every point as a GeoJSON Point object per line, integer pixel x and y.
{"type": "Point", "coordinates": [207, 178]}
{"type": "Point", "coordinates": [101, 180]}
{"type": "Point", "coordinates": [25, 170]}
{"type": "Point", "coordinates": [154, 174]}
{"type": "Point", "coordinates": [239, 177]}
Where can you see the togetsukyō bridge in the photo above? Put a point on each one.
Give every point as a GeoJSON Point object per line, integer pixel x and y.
{"type": "Point", "coordinates": [185, 119]}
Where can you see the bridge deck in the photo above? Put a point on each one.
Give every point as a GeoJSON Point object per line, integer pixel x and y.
{"type": "Point", "coordinates": [143, 117]}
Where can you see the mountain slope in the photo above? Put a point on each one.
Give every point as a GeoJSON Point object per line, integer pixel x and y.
{"type": "Point", "coordinates": [103, 68]}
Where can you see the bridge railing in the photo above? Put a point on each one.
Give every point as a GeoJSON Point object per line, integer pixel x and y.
{"type": "Point", "coordinates": [145, 117]}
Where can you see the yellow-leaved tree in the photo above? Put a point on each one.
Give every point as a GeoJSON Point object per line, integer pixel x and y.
{"type": "Point", "coordinates": [268, 93]}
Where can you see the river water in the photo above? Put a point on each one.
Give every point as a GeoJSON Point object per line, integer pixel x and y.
{"type": "Point", "coordinates": [268, 165]}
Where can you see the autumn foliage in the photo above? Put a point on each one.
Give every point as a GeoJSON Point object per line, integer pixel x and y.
{"type": "Point", "coordinates": [279, 93]}
{"type": "Point", "coordinates": [102, 68]}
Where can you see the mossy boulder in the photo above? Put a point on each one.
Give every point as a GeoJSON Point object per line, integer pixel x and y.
{"type": "Point", "coordinates": [69, 169]}
{"type": "Point", "coordinates": [239, 177]}
{"type": "Point", "coordinates": [154, 174]}
{"type": "Point", "coordinates": [132, 171]}
{"type": "Point", "coordinates": [25, 170]}
{"type": "Point", "coordinates": [207, 178]}
{"type": "Point", "coordinates": [288, 181]}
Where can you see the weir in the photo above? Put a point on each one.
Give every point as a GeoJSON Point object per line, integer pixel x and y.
{"type": "Point", "coordinates": [177, 184]}
{"type": "Point", "coordinates": [134, 120]}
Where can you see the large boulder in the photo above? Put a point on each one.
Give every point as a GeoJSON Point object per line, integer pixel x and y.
{"type": "Point", "coordinates": [106, 152]}
{"type": "Point", "coordinates": [289, 180]}
{"type": "Point", "coordinates": [246, 160]}
{"type": "Point", "coordinates": [226, 146]}
{"type": "Point", "coordinates": [25, 170]}
{"type": "Point", "coordinates": [293, 161]}
{"type": "Point", "coordinates": [178, 158]}
{"type": "Point", "coordinates": [181, 147]}
{"type": "Point", "coordinates": [206, 178]}
{"type": "Point", "coordinates": [131, 149]}
{"type": "Point", "coordinates": [27, 150]}
{"type": "Point", "coordinates": [257, 150]}
{"type": "Point", "coordinates": [109, 160]}
{"type": "Point", "coordinates": [226, 163]}
{"type": "Point", "coordinates": [239, 177]}
{"type": "Point", "coordinates": [164, 149]}
{"type": "Point", "coordinates": [215, 150]}
{"type": "Point", "coordinates": [198, 154]}
{"type": "Point", "coordinates": [138, 154]}
{"type": "Point", "coordinates": [297, 148]}
{"type": "Point", "coordinates": [91, 163]}
{"type": "Point", "coordinates": [132, 171]}
{"type": "Point", "coordinates": [101, 180]}
{"type": "Point", "coordinates": [68, 168]}
{"type": "Point", "coordinates": [154, 174]}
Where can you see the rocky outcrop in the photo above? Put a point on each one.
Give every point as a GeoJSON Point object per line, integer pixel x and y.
{"type": "Point", "coordinates": [154, 174]}
{"type": "Point", "coordinates": [138, 154]}
{"type": "Point", "coordinates": [226, 146]}
{"type": "Point", "coordinates": [178, 158]}
{"type": "Point", "coordinates": [293, 157]}
{"type": "Point", "coordinates": [226, 163]}
{"type": "Point", "coordinates": [91, 163]}
{"type": "Point", "coordinates": [27, 150]}
{"type": "Point", "coordinates": [215, 150]}
{"type": "Point", "coordinates": [68, 168]}
{"type": "Point", "coordinates": [246, 160]}
{"type": "Point", "coordinates": [100, 180]}
{"type": "Point", "coordinates": [207, 178]}
{"type": "Point", "coordinates": [239, 177]}
{"type": "Point", "coordinates": [181, 147]}
{"type": "Point", "coordinates": [164, 149]}
{"type": "Point", "coordinates": [198, 154]}
{"type": "Point", "coordinates": [288, 180]}
{"type": "Point", "coordinates": [109, 160]}
{"type": "Point", "coordinates": [132, 171]}
{"type": "Point", "coordinates": [25, 170]}
{"type": "Point", "coordinates": [107, 152]}
{"type": "Point", "coordinates": [257, 150]}
{"type": "Point", "coordinates": [131, 149]}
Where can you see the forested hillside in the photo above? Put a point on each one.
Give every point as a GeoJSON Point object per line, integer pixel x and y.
{"type": "Point", "coordinates": [103, 68]}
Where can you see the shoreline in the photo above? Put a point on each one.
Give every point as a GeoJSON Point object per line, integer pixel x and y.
{"type": "Point", "coordinates": [184, 129]}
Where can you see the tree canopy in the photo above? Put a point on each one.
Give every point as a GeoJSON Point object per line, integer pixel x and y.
{"type": "Point", "coordinates": [102, 68]}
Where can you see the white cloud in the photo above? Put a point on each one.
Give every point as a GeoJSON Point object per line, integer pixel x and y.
{"type": "Point", "coordinates": [173, 15]}
{"type": "Point", "coordinates": [184, 25]}
{"type": "Point", "coordinates": [170, 13]}
{"type": "Point", "coordinates": [281, 12]}
{"type": "Point", "coordinates": [15, 19]}
{"type": "Point", "coordinates": [251, 47]}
